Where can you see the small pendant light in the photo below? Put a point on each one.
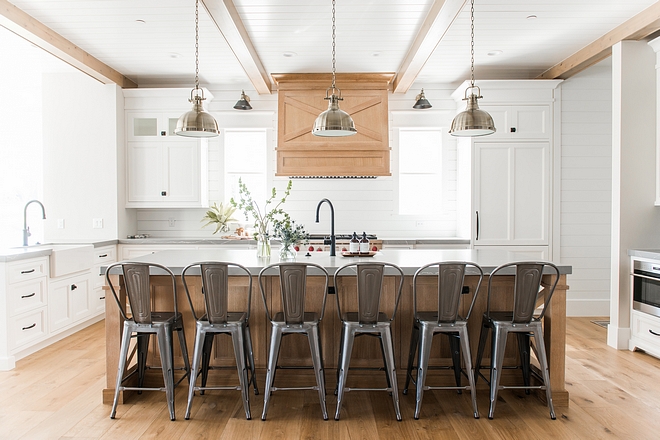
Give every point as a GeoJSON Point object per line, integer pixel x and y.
{"type": "Point", "coordinates": [472, 121]}
{"type": "Point", "coordinates": [196, 122]}
{"type": "Point", "coordinates": [333, 122]}
{"type": "Point", "coordinates": [421, 102]}
{"type": "Point", "coordinates": [244, 102]}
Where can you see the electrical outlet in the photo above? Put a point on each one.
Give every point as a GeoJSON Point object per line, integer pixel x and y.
{"type": "Point", "coordinates": [171, 222]}
{"type": "Point", "coordinates": [419, 223]}
{"type": "Point", "coordinates": [97, 223]}
{"type": "Point", "coordinates": [60, 223]}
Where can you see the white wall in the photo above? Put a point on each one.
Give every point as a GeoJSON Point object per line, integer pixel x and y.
{"type": "Point", "coordinates": [80, 141]}
{"type": "Point", "coordinates": [360, 204]}
{"type": "Point", "coordinates": [635, 219]}
{"type": "Point", "coordinates": [586, 188]}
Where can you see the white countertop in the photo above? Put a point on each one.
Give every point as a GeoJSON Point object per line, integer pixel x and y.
{"type": "Point", "coordinates": [408, 260]}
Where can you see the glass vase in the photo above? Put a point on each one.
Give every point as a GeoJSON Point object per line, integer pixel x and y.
{"type": "Point", "coordinates": [263, 246]}
{"type": "Point", "coordinates": [287, 252]}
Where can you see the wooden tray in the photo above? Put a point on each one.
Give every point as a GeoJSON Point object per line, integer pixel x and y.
{"type": "Point", "coordinates": [348, 254]}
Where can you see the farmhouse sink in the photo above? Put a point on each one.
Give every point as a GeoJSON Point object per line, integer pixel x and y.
{"type": "Point", "coordinates": [66, 259]}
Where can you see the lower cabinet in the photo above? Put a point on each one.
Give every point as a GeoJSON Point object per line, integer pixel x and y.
{"type": "Point", "coordinates": [68, 301]}
{"type": "Point", "coordinates": [645, 333]}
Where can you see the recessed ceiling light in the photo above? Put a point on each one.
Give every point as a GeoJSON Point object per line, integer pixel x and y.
{"type": "Point", "coordinates": [175, 55]}
{"type": "Point", "coordinates": [532, 17]}
{"type": "Point", "coordinates": [375, 54]}
{"type": "Point", "coordinates": [140, 21]}
{"type": "Point", "coordinates": [494, 53]}
{"type": "Point", "coordinates": [289, 54]}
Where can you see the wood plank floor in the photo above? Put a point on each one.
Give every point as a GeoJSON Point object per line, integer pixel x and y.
{"type": "Point", "coordinates": [56, 394]}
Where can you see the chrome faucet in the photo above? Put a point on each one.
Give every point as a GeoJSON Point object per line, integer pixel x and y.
{"type": "Point", "coordinates": [332, 224]}
{"type": "Point", "coordinates": [26, 229]}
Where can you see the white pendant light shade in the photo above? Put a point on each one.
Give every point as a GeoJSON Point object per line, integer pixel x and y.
{"type": "Point", "coordinates": [472, 121]}
{"type": "Point", "coordinates": [196, 122]}
{"type": "Point", "coordinates": [334, 122]}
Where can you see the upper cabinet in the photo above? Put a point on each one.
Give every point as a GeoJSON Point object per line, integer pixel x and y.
{"type": "Point", "coordinates": [163, 170]}
{"type": "Point", "coordinates": [301, 100]}
{"type": "Point", "coordinates": [520, 122]}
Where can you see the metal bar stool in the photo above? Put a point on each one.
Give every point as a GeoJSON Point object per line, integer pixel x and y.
{"type": "Point", "coordinates": [368, 320]}
{"type": "Point", "coordinates": [294, 318]}
{"type": "Point", "coordinates": [219, 320]}
{"type": "Point", "coordinates": [143, 322]}
{"type": "Point", "coordinates": [446, 320]}
{"type": "Point", "coordinates": [521, 319]}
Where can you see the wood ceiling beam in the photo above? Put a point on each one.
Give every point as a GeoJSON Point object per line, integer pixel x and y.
{"type": "Point", "coordinates": [42, 36]}
{"type": "Point", "coordinates": [226, 18]}
{"type": "Point", "coordinates": [637, 28]}
{"type": "Point", "coordinates": [437, 22]}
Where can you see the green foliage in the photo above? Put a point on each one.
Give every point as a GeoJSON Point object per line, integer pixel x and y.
{"type": "Point", "coordinates": [289, 232]}
{"type": "Point", "coordinates": [220, 216]}
{"type": "Point", "coordinates": [250, 208]}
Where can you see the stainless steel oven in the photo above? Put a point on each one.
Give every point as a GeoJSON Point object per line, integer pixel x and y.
{"type": "Point", "coordinates": [646, 287]}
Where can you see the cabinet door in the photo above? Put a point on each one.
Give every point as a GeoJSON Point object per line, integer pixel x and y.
{"type": "Point", "coordinates": [81, 306]}
{"type": "Point", "coordinates": [511, 193]}
{"type": "Point", "coordinates": [182, 167]}
{"type": "Point", "coordinates": [150, 126]}
{"type": "Point", "coordinates": [145, 172]}
{"type": "Point", "coordinates": [59, 311]}
{"type": "Point", "coordinates": [520, 122]}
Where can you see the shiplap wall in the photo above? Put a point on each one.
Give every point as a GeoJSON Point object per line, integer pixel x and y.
{"type": "Point", "coordinates": [360, 204]}
{"type": "Point", "coordinates": [586, 188]}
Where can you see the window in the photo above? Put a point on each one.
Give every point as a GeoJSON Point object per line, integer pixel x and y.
{"type": "Point", "coordinates": [246, 158]}
{"type": "Point", "coordinates": [420, 171]}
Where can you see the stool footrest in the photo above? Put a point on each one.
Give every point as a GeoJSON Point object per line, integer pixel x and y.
{"type": "Point", "coordinates": [293, 388]}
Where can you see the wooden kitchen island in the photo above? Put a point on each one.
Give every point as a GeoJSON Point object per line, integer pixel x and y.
{"type": "Point", "coordinates": [366, 351]}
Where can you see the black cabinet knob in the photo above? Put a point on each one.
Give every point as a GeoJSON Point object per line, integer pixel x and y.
{"type": "Point", "coordinates": [163, 193]}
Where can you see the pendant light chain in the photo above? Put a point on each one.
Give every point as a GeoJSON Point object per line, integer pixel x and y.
{"type": "Point", "coordinates": [196, 44]}
{"type": "Point", "coordinates": [472, 44]}
{"type": "Point", "coordinates": [333, 46]}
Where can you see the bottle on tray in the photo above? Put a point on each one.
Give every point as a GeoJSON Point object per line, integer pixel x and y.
{"type": "Point", "coordinates": [354, 245]}
{"type": "Point", "coordinates": [364, 244]}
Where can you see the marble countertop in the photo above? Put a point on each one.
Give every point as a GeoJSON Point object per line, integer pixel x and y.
{"type": "Point", "coordinates": [653, 254]}
{"type": "Point", "coordinates": [408, 259]}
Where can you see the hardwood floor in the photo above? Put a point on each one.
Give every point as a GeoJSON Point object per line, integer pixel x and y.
{"type": "Point", "coordinates": [56, 394]}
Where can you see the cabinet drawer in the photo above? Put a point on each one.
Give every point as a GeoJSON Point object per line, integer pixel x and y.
{"type": "Point", "coordinates": [27, 328]}
{"type": "Point", "coordinates": [27, 296]}
{"type": "Point", "coordinates": [27, 270]}
{"type": "Point", "coordinates": [106, 254]}
{"type": "Point", "coordinates": [646, 327]}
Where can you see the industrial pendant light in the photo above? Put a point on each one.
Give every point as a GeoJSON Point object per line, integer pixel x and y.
{"type": "Point", "coordinates": [333, 122]}
{"type": "Point", "coordinates": [196, 122]}
{"type": "Point", "coordinates": [473, 121]}
{"type": "Point", "coordinates": [244, 102]}
{"type": "Point", "coordinates": [421, 102]}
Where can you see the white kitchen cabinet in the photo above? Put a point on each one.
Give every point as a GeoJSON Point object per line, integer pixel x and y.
{"type": "Point", "coordinates": [103, 256]}
{"type": "Point", "coordinates": [520, 122]}
{"type": "Point", "coordinates": [68, 301]}
{"type": "Point", "coordinates": [645, 333]}
{"type": "Point", "coordinates": [511, 193]}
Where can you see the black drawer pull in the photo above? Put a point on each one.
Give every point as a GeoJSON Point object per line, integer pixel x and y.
{"type": "Point", "coordinates": [654, 333]}
{"type": "Point", "coordinates": [28, 296]}
{"type": "Point", "coordinates": [102, 297]}
{"type": "Point", "coordinates": [73, 287]}
{"type": "Point", "coordinates": [103, 256]}
{"type": "Point", "coordinates": [27, 271]}
{"type": "Point", "coordinates": [30, 326]}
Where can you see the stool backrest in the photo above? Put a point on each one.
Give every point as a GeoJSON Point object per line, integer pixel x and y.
{"type": "Point", "coordinates": [215, 287]}
{"type": "Point", "coordinates": [293, 289]}
{"type": "Point", "coordinates": [369, 289]}
{"type": "Point", "coordinates": [138, 289]}
{"type": "Point", "coordinates": [528, 277]}
{"type": "Point", "coordinates": [451, 277]}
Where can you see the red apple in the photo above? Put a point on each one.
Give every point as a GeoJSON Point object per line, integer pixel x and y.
{"type": "Point", "coordinates": [344, 249]}
{"type": "Point", "coordinates": [374, 248]}
{"type": "Point", "coordinates": [311, 248]}
{"type": "Point", "coordinates": [297, 248]}
{"type": "Point", "coordinates": [319, 249]}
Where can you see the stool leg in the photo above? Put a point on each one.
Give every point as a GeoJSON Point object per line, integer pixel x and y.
{"type": "Point", "coordinates": [239, 353]}
{"type": "Point", "coordinates": [497, 360]}
{"type": "Point", "coordinates": [123, 352]}
{"type": "Point", "coordinates": [523, 348]}
{"type": "Point", "coordinates": [142, 342]}
{"type": "Point", "coordinates": [317, 360]}
{"type": "Point", "coordinates": [543, 360]}
{"type": "Point", "coordinates": [181, 334]}
{"type": "Point", "coordinates": [483, 337]}
{"type": "Point", "coordinates": [206, 359]}
{"type": "Point", "coordinates": [414, 340]}
{"type": "Point", "coordinates": [250, 358]}
{"type": "Point", "coordinates": [200, 337]}
{"type": "Point", "coordinates": [467, 358]}
{"type": "Point", "coordinates": [347, 337]}
{"type": "Point", "coordinates": [455, 348]}
{"type": "Point", "coordinates": [164, 336]}
{"type": "Point", "coordinates": [341, 346]}
{"type": "Point", "coordinates": [275, 339]}
{"type": "Point", "coordinates": [425, 340]}
{"type": "Point", "coordinates": [389, 357]}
